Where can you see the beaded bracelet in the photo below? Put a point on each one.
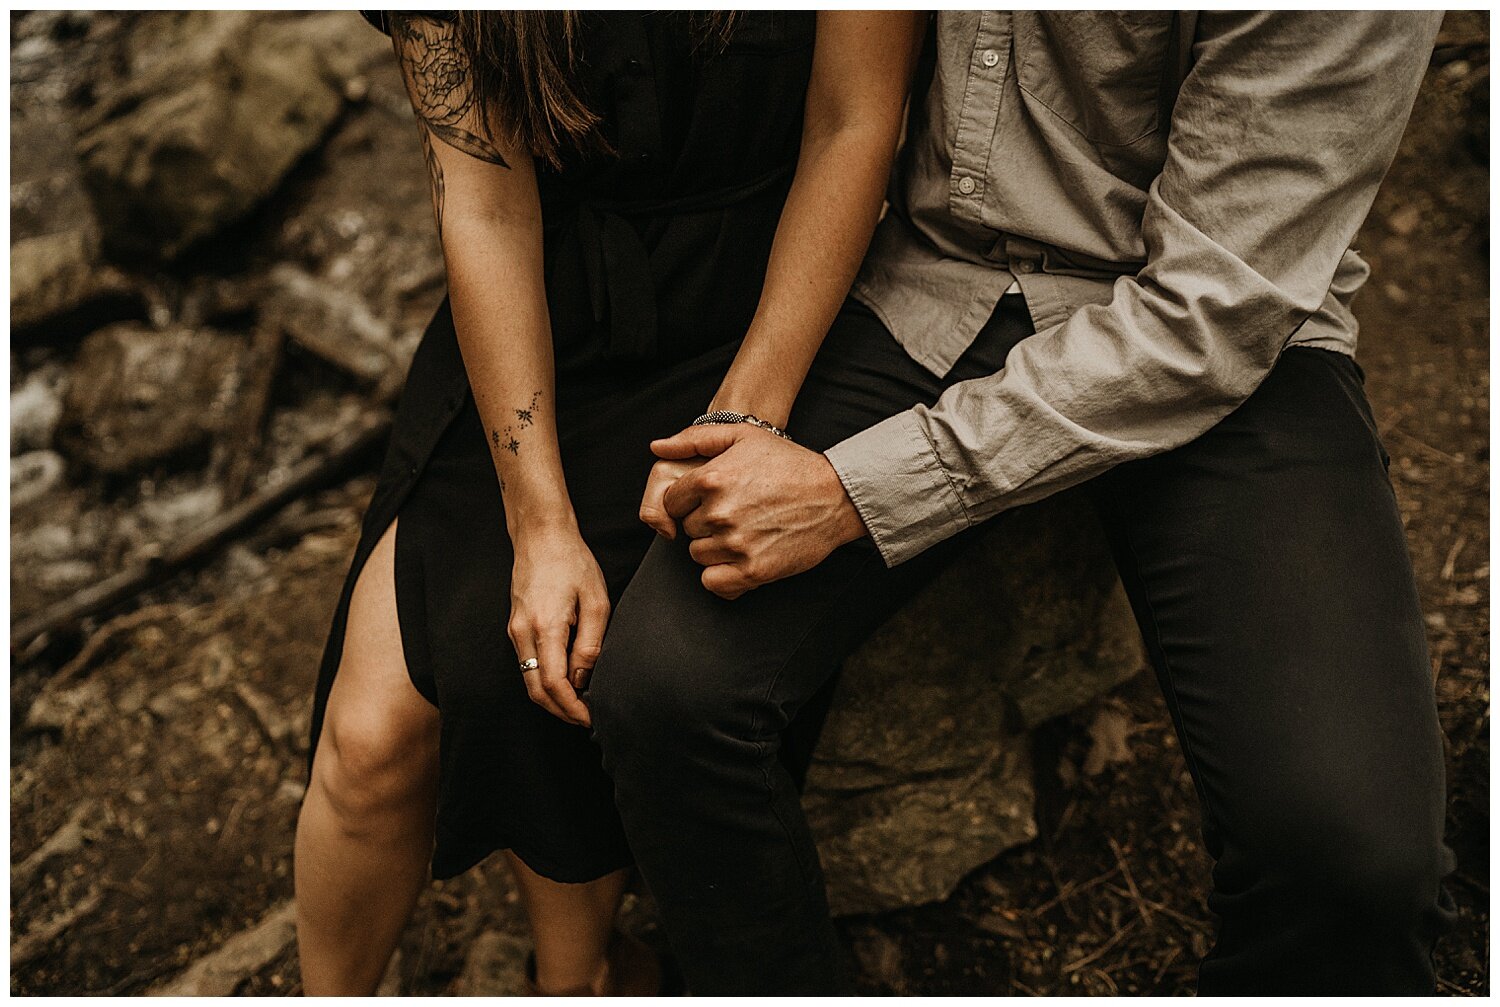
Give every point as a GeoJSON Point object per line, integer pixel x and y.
{"type": "Point", "coordinates": [729, 416]}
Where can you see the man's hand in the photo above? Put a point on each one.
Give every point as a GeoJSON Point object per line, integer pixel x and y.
{"type": "Point", "coordinates": [653, 506]}
{"type": "Point", "coordinates": [760, 509]}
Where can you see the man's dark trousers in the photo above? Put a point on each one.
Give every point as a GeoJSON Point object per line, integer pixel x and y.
{"type": "Point", "coordinates": [1268, 570]}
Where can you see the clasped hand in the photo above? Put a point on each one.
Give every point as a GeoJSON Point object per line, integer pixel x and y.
{"type": "Point", "coordinates": [757, 507]}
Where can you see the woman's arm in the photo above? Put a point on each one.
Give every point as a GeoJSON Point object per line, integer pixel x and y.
{"type": "Point", "coordinates": [856, 97]}
{"type": "Point", "coordinates": [862, 66]}
{"type": "Point", "coordinates": [489, 224]}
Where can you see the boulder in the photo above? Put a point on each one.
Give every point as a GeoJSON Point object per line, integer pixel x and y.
{"type": "Point", "coordinates": [33, 476]}
{"type": "Point", "coordinates": [329, 321]}
{"type": "Point", "coordinates": [55, 267]}
{"type": "Point", "coordinates": [922, 772]}
{"type": "Point", "coordinates": [140, 397]}
{"type": "Point", "coordinates": [215, 108]}
{"type": "Point", "coordinates": [36, 408]}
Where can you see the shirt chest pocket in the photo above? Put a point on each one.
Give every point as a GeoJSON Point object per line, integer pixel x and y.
{"type": "Point", "coordinates": [1101, 72]}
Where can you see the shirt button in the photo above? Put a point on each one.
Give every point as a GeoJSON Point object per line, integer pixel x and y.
{"type": "Point", "coordinates": [1025, 266]}
{"type": "Point", "coordinates": [966, 185]}
{"type": "Point", "coordinates": [990, 57]}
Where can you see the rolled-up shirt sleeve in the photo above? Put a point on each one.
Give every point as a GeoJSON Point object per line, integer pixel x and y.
{"type": "Point", "coordinates": [1280, 136]}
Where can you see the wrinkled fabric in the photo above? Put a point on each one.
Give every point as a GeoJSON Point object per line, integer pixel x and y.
{"type": "Point", "coordinates": [1175, 195]}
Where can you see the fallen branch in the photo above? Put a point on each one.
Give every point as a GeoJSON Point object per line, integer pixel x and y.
{"type": "Point", "coordinates": [107, 634]}
{"type": "Point", "coordinates": [31, 944]}
{"type": "Point", "coordinates": [1422, 445]}
{"type": "Point", "coordinates": [67, 839]}
{"type": "Point", "coordinates": [273, 727]}
{"type": "Point", "coordinates": [197, 546]}
{"type": "Point", "coordinates": [223, 970]}
{"type": "Point", "coordinates": [292, 526]}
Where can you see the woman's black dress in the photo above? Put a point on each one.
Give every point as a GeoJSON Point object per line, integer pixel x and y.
{"type": "Point", "coordinates": [655, 258]}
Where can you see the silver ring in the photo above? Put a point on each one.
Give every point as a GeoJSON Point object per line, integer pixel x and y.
{"type": "Point", "coordinates": [530, 664]}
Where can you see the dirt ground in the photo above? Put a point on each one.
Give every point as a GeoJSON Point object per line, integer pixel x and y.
{"type": "Point", "coordinates": [171, 833]}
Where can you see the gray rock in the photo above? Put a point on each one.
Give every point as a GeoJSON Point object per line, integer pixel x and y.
{"type": "Point", "coordinates": [139, 397]}
{"type": "Point", "coordinates": [44, 543]}
{"type": "Point", "coordinates": [330, 322]}
{"type": "Point", "coordinates": [66, 575]}
{"type": "Point", "coordinates": [215, 110]}
{"type": "Point", "coordinates": [36, 409]}
{"type": "Point", "coordinates": [922, 773]}
{"type": "Point", "coordinates": [54, 238]}
{"type": "Point", "coordinates": [163, 516]}
{"type": "Point", "coordinates": [34, 475]}
{"type": "Point", "coordinates": [368, 242]}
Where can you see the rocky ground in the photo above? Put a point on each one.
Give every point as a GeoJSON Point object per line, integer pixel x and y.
{"type": "Point", "coordinates": [157, 746]}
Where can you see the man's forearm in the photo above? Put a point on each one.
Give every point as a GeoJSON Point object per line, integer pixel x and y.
{"type": "Point", "coordinates": [1245, 230]}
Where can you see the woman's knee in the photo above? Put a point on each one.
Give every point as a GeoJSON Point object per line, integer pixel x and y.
{"type": "Point", "coordinates": [378, 749]}
{"type": "Point", "coordinates": [374, 761]}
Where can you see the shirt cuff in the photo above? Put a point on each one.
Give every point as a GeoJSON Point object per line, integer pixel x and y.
{"type": "Point", "coordinates": [897, 483]}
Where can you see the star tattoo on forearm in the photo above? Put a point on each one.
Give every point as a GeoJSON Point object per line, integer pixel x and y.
{"type": "Point", "coordinates": [506, 438]}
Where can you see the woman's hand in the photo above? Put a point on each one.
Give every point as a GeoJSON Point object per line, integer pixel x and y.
{"type": "Point", "coordinates": [653, 507]}
{"type": "Point", "coordinates": [557, 590]}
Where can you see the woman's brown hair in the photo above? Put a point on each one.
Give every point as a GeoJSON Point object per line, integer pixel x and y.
{"type": "Point", "coordinates": [524, 83]}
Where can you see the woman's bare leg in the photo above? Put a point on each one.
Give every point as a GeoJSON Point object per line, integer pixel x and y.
{"type": "Point", "coordinates": [365, 833]}
{"type": "Point", "coordinates": [572, 926]}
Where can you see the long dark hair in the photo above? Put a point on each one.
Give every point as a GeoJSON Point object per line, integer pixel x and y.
{"type": "Point", "coordinates": [524, 83]}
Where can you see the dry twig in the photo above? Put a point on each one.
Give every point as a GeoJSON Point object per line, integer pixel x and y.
{"type": "Point", "coordinates": [1068, 890]}
{"type": "Point", "coordinates": [31, 944]}
{"type": "Point", "coordinates": [1135, 893]}
{"type": "Point", "coordinates": [1458, 547]}
{"type": "Point", "coordinates": [1102, 950]}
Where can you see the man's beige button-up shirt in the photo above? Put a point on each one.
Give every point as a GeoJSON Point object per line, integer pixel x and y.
{"type": "Point", "coordinates": [1175, 194]}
